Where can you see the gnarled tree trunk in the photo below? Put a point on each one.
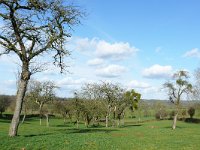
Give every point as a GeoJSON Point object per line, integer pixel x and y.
{"type": "Point", "coordinates": [25, 76]}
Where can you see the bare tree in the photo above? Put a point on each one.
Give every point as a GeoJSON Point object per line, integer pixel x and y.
{"type": "Point", "coordinates": [110, 93]}
{"type": "Point", "coordinates": [34, 28]}
{"type": "Point", "coordinates": [41, 93]}
{"type": "Point", "coordinates": [176, 90]}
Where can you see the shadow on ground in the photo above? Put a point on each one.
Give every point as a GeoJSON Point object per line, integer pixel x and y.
{"type": "Point", "coordinates": [192, 120]}
{"type": "Point", "coordinates": [87, 130]}
{"type": "Point", "coordinates": [177, 127]}
{"type": "Point", "coordinates": [43, 134]}
{"type": "Point", "coordinates": [131, 125]}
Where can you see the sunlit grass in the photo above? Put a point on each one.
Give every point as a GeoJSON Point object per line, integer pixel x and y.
{"type": "Point", "coordinates": [149, 135]}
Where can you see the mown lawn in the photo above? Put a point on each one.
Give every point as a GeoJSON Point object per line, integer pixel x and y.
{"type": "Point", "coordinates": [154, 135]}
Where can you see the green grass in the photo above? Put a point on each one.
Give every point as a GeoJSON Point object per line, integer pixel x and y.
{"type": "Point", "coordinates": [155, 135]}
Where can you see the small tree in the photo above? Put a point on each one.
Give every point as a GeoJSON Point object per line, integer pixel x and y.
{"type": "Point", "coordinates": [160, 110]}
{"type": "Point", "coordinates": [110, 93]}
{"type": "Point", "coordinates": [94, 106]}
{"type": "Point", "coordinates": [176, 89]}
{"type": "Point", "coordinates": [41, 93]}
{"type": "Point", "coordinates": [191, 112]}
{"type": "Point", "coordinates": [64, 108]}
{"type": "Point", "coordinates": [132, 100]}
{"type": "Point", "coordinates": [78, 108]}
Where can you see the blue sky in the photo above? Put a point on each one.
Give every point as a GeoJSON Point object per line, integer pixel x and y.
{"type": "Point", "coordinates": [138, 44]}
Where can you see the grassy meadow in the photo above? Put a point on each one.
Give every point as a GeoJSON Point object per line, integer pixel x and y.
{"type": "Point", "coordinates": [150, 135]}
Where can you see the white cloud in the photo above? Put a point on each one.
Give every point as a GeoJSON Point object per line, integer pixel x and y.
{"type": "Point", "coordinates": [115, 50]}
{"type": "Point", "coordinates": [137, 84]}
{"type": "Point", "coordinates": [101, 48]}
{"type": "Point", "coordinates": [157, 71]}
{"type": "Point", "coordinates": [192, 53]}
{"type": "Point", "coordinates": [69, 81]}
{"type": "Point", "coordinates": [95, 62]}
{"type": "Point", "coordinates": [145, 89]}
{"type": "Point", "coordinates": [111, 71]}
{"type": "Point", "coordinates": [83, 44]}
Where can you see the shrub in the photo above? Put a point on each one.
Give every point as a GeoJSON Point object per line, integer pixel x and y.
{"type": "Point", "coordinates": [161, 114]}
{"type": "Point", "coordinates": [191, 111]}
{"type": "Point", "coordinates": [157, 116]}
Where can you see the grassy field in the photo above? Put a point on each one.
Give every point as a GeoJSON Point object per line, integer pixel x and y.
{"type": "Point", "coordinates": [153, 135]}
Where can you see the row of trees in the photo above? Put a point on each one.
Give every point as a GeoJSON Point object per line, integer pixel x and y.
{"type": "Point", "coordinates": [97, 102]}
{"type": "Point", "coordinates": [183, 112]}
{"type": "Point", "coordinates": [101, 102]}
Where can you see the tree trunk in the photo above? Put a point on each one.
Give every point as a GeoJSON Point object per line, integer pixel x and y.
{"type": "Point", "coordinates": [77, 123]}
{"type": "Point", "coordinates": [174, 121]}
{"type": "Point", "coordinates": [86, 123]}
{"type": "Point", "coordinates": [123, 116]}
{"type": "Point", "coordinates": [19, 100]}
{"type": "Point", "coordinates": [40, 121]}
{"type": "Point", "coordinates": [40, 111]}
{"type": "Point", "coordinates": [64, 120]}
{"type": "Point", "coordinates": [47, 117]}
{"type": "Point", "coordinates": [123, 121]}
{"type": "Point", "coordinates": [93, 121]}
{"type": "Point", "coordinates": [23, 118]}
{"type": "Point", "coordinates": [106, 121]}
{"type": "Point", "coordinates": [118, 124]}
{"type": "Point", "coordinates": [70, 117]}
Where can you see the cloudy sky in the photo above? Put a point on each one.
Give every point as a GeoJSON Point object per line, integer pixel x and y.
{"type": "Point", "coordinates": [137, 43]}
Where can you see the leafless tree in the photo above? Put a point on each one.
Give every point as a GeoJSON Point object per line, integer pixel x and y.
{"type": "Point", "coordinates": [41, 93]}
{"type": "Point", "coordinates": [32, 28]}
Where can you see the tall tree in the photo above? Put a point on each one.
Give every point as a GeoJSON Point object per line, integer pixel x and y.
{"type": "Point", "coordinates": [33, 28]}
{"type": "Point", "coordinates": [176, 89]}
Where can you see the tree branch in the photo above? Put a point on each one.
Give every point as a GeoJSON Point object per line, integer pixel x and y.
{"type": "Point", "coordinates": [9, 45]}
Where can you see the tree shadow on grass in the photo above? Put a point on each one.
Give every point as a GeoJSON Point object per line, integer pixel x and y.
{"type": "Point", "coordinates": [131, 125]}
{"type": "Point", "coordinates": [64, 125]}
{"type": "Point", "coordinates": [42, 134]}
{"type": "Point", "coordinates": [177, 127]}
{"type": "Point", "coordinates": [86, 130]}
{"type": "Point", "coordinates": [192, 120]}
